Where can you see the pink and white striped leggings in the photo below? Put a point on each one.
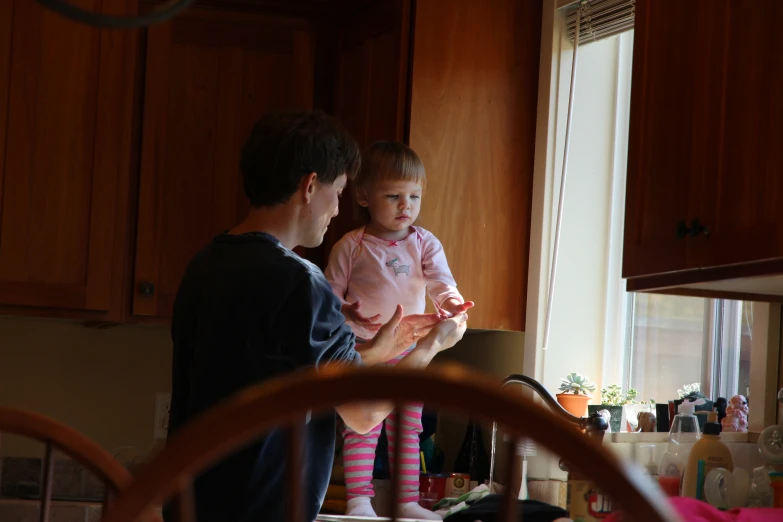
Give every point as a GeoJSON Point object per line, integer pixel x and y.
{"type": "Point", "coordinates": [359, 451]}
{"type": "Point", "coordinates": [359, 454]}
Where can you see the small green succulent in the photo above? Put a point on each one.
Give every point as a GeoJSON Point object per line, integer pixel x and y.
{"type": "Point", "coordinates": [576, 384]}
{"type": "Point", "coordinates": [691, 392]}
{"type": "Point", "coordinates": [613, 396]}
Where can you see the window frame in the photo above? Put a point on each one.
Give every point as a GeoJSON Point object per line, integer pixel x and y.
{"type": "Point", "coordinates": [766, 370]}
{"type": "Point", "coordinates": [721, 350]}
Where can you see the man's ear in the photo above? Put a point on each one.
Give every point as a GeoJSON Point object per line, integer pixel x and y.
{"type": "Point", "coordinates": [307, 186]}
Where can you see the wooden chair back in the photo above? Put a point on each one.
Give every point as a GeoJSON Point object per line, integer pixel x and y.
{"type": "Point", "coordinates": [57, 436]}
{"type": "Point", "coordinates": [283, 403]}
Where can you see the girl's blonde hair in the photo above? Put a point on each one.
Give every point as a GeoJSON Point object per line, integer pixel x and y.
{"type": "Point", "coordinates": [384, 161]}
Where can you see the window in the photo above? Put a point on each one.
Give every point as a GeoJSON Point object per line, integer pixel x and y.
{"type": "Point", "coordinates": [672, 341]}
{"type": "Point", "coordinates": [655, 343]}
{"type": "Point", "coordinates": [667, 341]}
{"type": "Point", "coordinates": [651, 342]}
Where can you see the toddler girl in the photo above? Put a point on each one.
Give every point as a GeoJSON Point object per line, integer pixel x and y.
{"type": "Point", "coordinates": [388, 262]}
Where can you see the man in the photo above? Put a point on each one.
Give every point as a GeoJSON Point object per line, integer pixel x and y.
{"type": "Point", "coordinates": [249, 309]}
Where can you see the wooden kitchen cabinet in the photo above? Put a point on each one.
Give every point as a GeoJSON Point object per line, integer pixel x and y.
{"type": "Point", "coordinates": [121, 148]}
{"type": "Point", "coordinates": [472, 83]}
{"type": "Point", "coordinates": [473, 107]}
{"type": "Point", "coordinates": [371, 71]}
{"type": "Point", "coordinates": [744, 203]}
{"type": "Point", "coordinates": [210, 74]}
{"type": "Point", "coordinates": [678, 54]}
{"type": "Point", "coordinates": [65, 140]}
{"type": "Point", "coordinates": [704, 157]}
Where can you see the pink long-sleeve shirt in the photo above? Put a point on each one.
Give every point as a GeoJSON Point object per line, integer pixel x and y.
{"type": "Point", "coordinates": [382, 274]}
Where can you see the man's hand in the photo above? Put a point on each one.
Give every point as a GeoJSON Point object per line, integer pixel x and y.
{"type": "Point", "coordinates": [383, 347]}
{"type": "Point", "coordinates": [396, 336]}
{"type": "Point", "coordinates": [448, 332]}
{"type": "Point", "coordinates": [351, 313]}
{"type": "Point", "coordinates": [400, 333]}
{"type": "Point", "coordinates": [452, 306]}
{"type": "Point", "coordinates": [414, 327]}
{"type": "Point", "coordinates": [444, 335]}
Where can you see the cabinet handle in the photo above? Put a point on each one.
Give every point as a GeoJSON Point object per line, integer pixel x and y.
{"type": "Point", "coordinates": [694, 230]}
{"type": "Point", "coordinates": [146, 289]}
{"type": "Point", "coordinates": [697, 228]}
{"type": "Point", "coordinates": [682, 229]}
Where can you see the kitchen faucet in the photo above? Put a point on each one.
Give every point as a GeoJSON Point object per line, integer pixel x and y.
{"type": "Point", "coordinates": [594, 425]}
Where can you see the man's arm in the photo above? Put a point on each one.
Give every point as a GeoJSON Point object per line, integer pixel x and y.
{"type": "Point", "coordinates": [324, 338]}
{"type": "Point", "coordinates": [363, 417]}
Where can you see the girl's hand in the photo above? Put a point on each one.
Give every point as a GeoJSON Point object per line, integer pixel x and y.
{"type": "Point", "coordinates": [451, 307]}
{"type": "Point", "coordinates": [351, 312]}
{"type": "Point", "coordinates": [450, 331]}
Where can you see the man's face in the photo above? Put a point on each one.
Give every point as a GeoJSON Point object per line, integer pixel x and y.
{"type": "Point", "coordinates": [324, 205]}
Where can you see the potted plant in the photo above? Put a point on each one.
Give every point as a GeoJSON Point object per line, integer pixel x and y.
{"type": "Point", "coordinates": [574, 393]}
{"type": "Point", "coordinates": [691, 392]}
{"type": "Point", "coordinates": [613, 399]}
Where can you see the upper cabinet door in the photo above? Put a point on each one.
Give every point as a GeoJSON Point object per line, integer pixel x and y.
{"type": "Point", "coordinates": [65, 138]}
{"type": "Point", "coordinates": [473, 121]}
{"type": "Point", "coordinates": [209, 77]}
{"type": "Point", "coordinates": [677, 73]}
{"type": "Point", "coordinates": [745, 194]}
{"type": "Point", "coordinates": [372, 80]}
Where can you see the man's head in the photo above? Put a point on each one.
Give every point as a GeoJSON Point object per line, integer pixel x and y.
{"type": "Point", "coordinates": [302, 159]}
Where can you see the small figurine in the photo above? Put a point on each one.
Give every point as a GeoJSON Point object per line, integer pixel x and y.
{"type": "Point", "coordinates": [646, 421]}
{"type": "Point", "coordinates": [608, 418]}
{"type": "Point", "coordinates": [736, 419]}
{"type": "Point", "coordinates": [720, 407]}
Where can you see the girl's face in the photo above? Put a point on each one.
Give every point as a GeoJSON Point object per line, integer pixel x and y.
{"type": "Point", "coordinates": [393, 206]}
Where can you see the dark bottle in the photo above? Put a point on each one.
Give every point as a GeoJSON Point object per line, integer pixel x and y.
{"type": "Point", "coordinates": [472, 457]}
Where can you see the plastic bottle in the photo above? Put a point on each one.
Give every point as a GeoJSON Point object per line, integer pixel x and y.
{"type": "Point", "coordinates": [707, 454]}
{"type": "Point", "coordinates": [761, 494]}
{"type": "Point", "coordinates": [683, 434]}
{"type": "Point", "coordinates": [650, 466]}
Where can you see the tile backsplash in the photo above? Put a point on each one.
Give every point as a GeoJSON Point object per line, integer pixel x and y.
{"type": "Point", "coordinates": [77, 493]}
{"type": "Point", "coordinates": [29, 512]}
{"type": "Point", "coordinates": [20, 478]}
{"type": "Point", "coordinates": [102, 383]}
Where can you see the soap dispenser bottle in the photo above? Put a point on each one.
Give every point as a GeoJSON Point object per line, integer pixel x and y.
{"type": "Point", "coordinates": [707, 454]}
{"type": "Point", "coordinates": [683, 435]}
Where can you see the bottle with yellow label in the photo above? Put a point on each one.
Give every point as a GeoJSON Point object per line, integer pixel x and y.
{"type": "Point", "coordinates": [707, 454]}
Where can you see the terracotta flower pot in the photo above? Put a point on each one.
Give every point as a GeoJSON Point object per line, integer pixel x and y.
{"type": "Point", "coordinates": [574, 404]}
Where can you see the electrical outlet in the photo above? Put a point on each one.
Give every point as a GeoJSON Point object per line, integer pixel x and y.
{"type": "Point", "coordinates": [162, 408]}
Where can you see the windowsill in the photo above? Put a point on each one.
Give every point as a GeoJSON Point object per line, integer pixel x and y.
{"type": "Point", "coordinates": [656, 438]}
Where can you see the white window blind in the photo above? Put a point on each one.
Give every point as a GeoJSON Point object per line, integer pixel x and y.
{"type": "Point", "coordinates": [600, 19]}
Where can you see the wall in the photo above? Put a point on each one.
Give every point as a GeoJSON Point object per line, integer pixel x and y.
{"type": "Point", "coordinates": [103, 382]}
{"type": "Point", "coordinates": [497, 354]}
{"type": "Point", "coordinates": [577, 331]}
{"type": "Point", "coordinates": [472, 121]}
{"type": "Point", "coordinates": [100, 382]}
{"type": "Point", "coordinates": [582, 321]}
{"type": "Point", "coordinates": [578, 323]}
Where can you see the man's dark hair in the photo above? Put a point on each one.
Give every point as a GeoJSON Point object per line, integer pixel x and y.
{"type": "Point", "coordinates": [286, 145]}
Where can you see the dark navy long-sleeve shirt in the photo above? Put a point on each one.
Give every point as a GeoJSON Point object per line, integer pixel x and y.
{"type": "Point", "coordinates": [247, 310]}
